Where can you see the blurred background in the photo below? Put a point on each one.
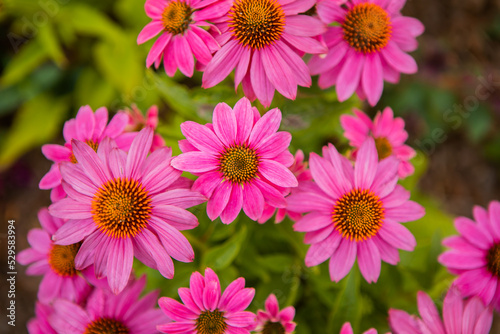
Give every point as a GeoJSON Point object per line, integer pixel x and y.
{"type": "Point", "coordinates": [57, 55]}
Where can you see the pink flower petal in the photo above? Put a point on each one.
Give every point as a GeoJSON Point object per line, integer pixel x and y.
{"type": "Point", "coordinates": [195, 162]}
{"type": "Point", "coordinates": [399, 60]}
{"type": "Point", "coordinates": [253, 201]}
{"type": "Point", "coordinates": [350, 75]}
{"type": "Point", "coordinates": [429, 313]}
{"type": "Point", "coordinates": [224, 122]}
{"type": "Point", "coordinates": [277, 173]}
{"type": "Point", "coordinates": [151, 29]}
{"type": "Point", "coordinates": [342, 260]}
{"type": "Point", "coordinates": [369, 260]}
{"type": "Point", "coordinates": [201, 137]}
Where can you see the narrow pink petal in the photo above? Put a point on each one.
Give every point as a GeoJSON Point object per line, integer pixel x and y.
{"type": "Point", "coordinates": [92, 166]}
{"type": "Point", "coordinates": [154, 8]}
{"type": "Point", "coordinates": [244, 119]}
{"type": "Point", "coordinates": [175, 310]}
{"type": "Point", "coordinates": [175, 243]}
{"type": "Point", "coordinates": [318, 64]}
{"type": "Point", "coordinates": [224, 122]}
{"type": "Point", "coordinates": [457, 260]}
{"type": "Point", "coordinates": [187, 299]}
{"type": "Point", "coordinates": [387, 252]}
{"type": "Point", "coordinates": [472, 311]}
{"type": "Point", "coordinates": [274, 145]}
{"type": "Point", "coordinates": [494, 214]}
{"type": "Point", "coordinates": [312, 222]}
{"type": "Point", "coordinates": [75, 318]}
{"type": "Point", "coordinates": [206, 183]}
{"type": "Point", "coordinates": [211, 292]}
{"type": "Point", "coordinates": [195, 162]}
{"type": "Point", "coordinates": [309, 202]}
{"type": "Point", "coordinates": [241, 319]}
{"type": "Point", "coordinates": [182, 198]}
{"type": "Point", "coordinates": [325, 176]}
{"type": "Point", "coordinates": [201, 137]}
{"type": "Point", "coordinates": [151, 29]}
{"type": "Point", "coordinates": [323, 250]}
{"type": "Point", "coordinates": [277, 173]}
{"type": "Point", "coordinates": [146, 242]}
{"type": "Point", "coordinates": [470, 231]}
{"type": "Point", "coordinates": [453, 311]}
{"type": "Point", "coordinates": [429, 313]}
{"type": "Point", "coordinates": [116, 125]}
{"type": "Point", "coordinates": [240, 300]}
{"type": "Point", "coordinates": [265, 127]}
{"type": "Point", "coordinates": [399, 60]}
{"type": "Point", "coordinates": [397, 235]}
{"type": "Point", "coordinates": [402, 322]}
{"type": "Point", "coordinates": [85, 123]}
{"type": "Point", "coordinates": [158, 48]}
{"type": "Point", "coordinates": [287, 314]}
{"type": "Point", "coordinates": [69, 209]}
{"type": "Point", "coordinates": [350, 75]}
{"type": "Point", "coordinates": [219, 199]}
{"type": "Point", "coordinates": [260, 83]}
{"type": "Point", "coordinates": [365, 167]}
{"type": "Point", "coordinates": [253, 201]}
{"type": "Point", "coordinates": [56, 152]}
{"type": "Point", "coordinates": [303, 25]}
{"type": "Point", "coordinates": [138, 151]}
{"type": "Point", "coordinates": [278, 72]}
{"type": "Point", "coordinates": [296, 7]}
{"type": "Point", "coordinates": [330, 11]}
{"type": "Point", "coordinates": [177, 327]}
{"type": "Point", "coordinates": [183, 55]}
{"type": "Point", "coordinates": [345, 183]}
{"type": "Point", "coordinates": [346, 329]}
{"type": "Point", "coordinates": [119, 267]}
{"type": "Point", "coordinates": [369, 260]}
{"type": "Point", "coordinates": [223, 62]}
{"type": "Point", "coordinates": [342, 260]}
{"type": "Point", "coordinates": [484, 322]}
{"type": "Point", "coordinates": [232, 289]}
{"type": "Point", "coordinates": [304, 44]}
{"type": "Point", "coordinates": [272, 306]}
{"type": "Point", "coordinates": [272, 196]}
{"type": "Point", "coordinates": [51, 179]}
{"type": "Point", "coordinates": [198, 47]}
{"type": "Point", "coordinates": [372, 78]}
{"type": "Point", "coordinates": [234, 205]}
{"type": "Point", "coordinates": [408, 211]}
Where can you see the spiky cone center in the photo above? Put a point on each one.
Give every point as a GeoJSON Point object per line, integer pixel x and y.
{"type": "Point", "coordinates": [211, 322]}
{"type": "Point", "coordinates": [106, 326]}
{"type": "Point", "coordinates": [121, 208]}
{"type": "Point", "coordinates": [273, 328]}
{"type": "Point", "coordinates": [62, 259]}
{"type": "Point", "coordinates": [367, 27]}
{"type": "Point", "coordinates": [384, 148]}
{"type": "Point", "coordinates": [94, 145]}
{"type": "Point", "coordinates": [358, 215]}
{"type": "Point", "coordinates": [256, 23]}
{"type": "Point", "coordinates": [239, 164]}
{"type": "Point", "coordinates": [493, 260]}
{"type": "Point", "coordinates": [176, 17]}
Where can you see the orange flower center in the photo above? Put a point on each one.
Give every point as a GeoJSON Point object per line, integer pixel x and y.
{"type": "Point", "coordinates": [211, 323]}
{"type": "Point", "coordinates": [239, 164]}
{"type": "Point", "coordinates": [358, 215]}
{"type": "Point", "coordinates": [273, 328]}
{"type": "Point", "coordinates": [62, 259]}
{"type": "Point", "coordinates": [256, 23]}
{"type": "Point", "coordinates": [384, 148]}
{"type": "Point", "coordinates": [493, 260]}
{"type": "Point", "coordinates": [367, 27]}
{"type": "Point", "coordinates": [106, 326]}
{"type": "Point", "coordinates": [121, 208]}
{"type": "Point", "coordinates": [176, 17]}
{"type": "Point", "coordinates": [89, 142]}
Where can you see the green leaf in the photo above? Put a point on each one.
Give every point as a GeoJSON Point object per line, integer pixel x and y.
{"type": "Point", "coordinates": [348, 306]}
{"type": "Point", "coordinates": [26, 61]}
{"type": "Point", "coordinates": [48, 39]}
{"type": "Point", "coordinates": [222, 256]}
{"type": "Point", "coordinates": [86, 20]}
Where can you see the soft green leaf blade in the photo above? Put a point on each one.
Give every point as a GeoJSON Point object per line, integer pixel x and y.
{"type": "Point", "coordinates": [222, 256]}
{"type": "Point", "coordinates": [27, 60]}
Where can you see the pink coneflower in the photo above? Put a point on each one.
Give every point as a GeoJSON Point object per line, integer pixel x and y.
{"type": "Point", "coordinates": [136, 122]}
{"type": "Point", "coordinates": [264, 40]}
{"type": "Point", "coordinates": [354, 212]}
{"type": "Point", "coordinates": [388, 132]}
{"type": "Point", "coordinates": [121, 205]}
{"type": "Point", "coordinates": [181, 38]}
{"type": "Point", "coordinates": [302, 173]}
{"type": "Point", "coordinates": [206, 311]}
{"type": "Point", "coordinates": [56, 262]}
{"type": "Point", "coordinates": [105, 312]}
{"type": "Point", "coordinates": [272, 320]}
{"type": "Point", "coordinates": [241, 160]}
{"type": "Point", "coordinates": [459, 316]}
{"type": "Point", "coordinates": [40, 324]}
{"type": "Point", "coordinates": [475, 254]}
{"type": "Point", "coordinates": [366, 48]}
{"type": "Point", "coordinates": [347, 329]}
{"type": "Point", "coordinates": [87, 127]}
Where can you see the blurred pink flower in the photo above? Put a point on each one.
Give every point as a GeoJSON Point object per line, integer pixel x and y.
{"type": "Point", "coordinates": [137, 121]}
{"type": "Point", "coordinates": [475, 254]}
{"type": "Point", "coordinates": [265, 40]}
{"type": "Point", "coordinates": [241, 158]}
{"type": "Point", "coordinates": [459, 316]}
{"type": "Point", "coordinates": [121, 205]}
{"type": "Point", "coordinates": [40, 324]}
{"type": "Point", "coordinates": [272, 320]}
{"type": "Point", "coordinates": [354, 212]}
{"type": "Point", "coordinates": [367, 47]}
{"type": "Point", "coordinates": [347, 329]}
{"type": "Point", "coordinates": [205, 310]}
{"type": "Point", "coordinates": [388, 132]}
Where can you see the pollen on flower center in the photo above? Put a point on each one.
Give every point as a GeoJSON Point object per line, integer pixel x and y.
{"type": "Point", "coordinates": [106, 326]}
{"type": "Point", "coordinates": [358, 215]}
{"type": "Point", "coordinates": [493, 260]}
{"type": "Point", "coordinates": [256, 23]}
{"type": "Point", "coordinates": [94, 145]}
{"type": "Point", "coordinates": [211, 323]}
{"type": "Point", "coordinates": [121, 208]}
{"type": "Point", "coordinates": [273, 328]}
{"type": "Point", "coordinates": [367, 27]}
{"type": "Point", "coordinates": [176, 17]}
{"type": "Point", "coordinates": [384, 148]}
{"type": "Point", "coordinates": [239, 164]}
{"type": "Point", "coordinates": [62, 259]}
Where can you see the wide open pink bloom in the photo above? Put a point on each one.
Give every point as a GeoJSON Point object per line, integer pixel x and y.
{"type": "Point", "coordinates": [181, 38]}
{"type": "Point", "coordinates": [241, 159]}
{"type": "Point", "coordinates": [367, 47]}
{"type": "Point", "coordinates": [40, 324]}
{"type": "Point", "coordinates": [272, 320]}
{"type": "Point", "coordinates": [266, 54]}
{"type": "Point", "coordinates": [105, 312]}
{"type": "Point", "coordinates": [354, 212]}
{"type": "Point", "coordinates": [57, 263]}
{"type": "Point", "coordinates": [475, 254]}
{"type": "Point", "coordinates": [205, 310]}
{"type": "Point", "coordinates": [388, 132]}
{"type": "Point", "coordinates": [347, 329]}
{"type": "Point", "coordinates": [459, 316]}
{"type": "Point", "coordinates": [88, 127]}
{"type": "Point", "coordinates": [121, 205]}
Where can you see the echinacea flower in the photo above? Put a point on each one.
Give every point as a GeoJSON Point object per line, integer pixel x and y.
{"type": "Point", "coordinates": [354, 212]}
{"type": "Point", "coordinates": [40, 324]}
{"type": "Point", "coordinates": [367, 47]}
{"type": "Point", "coordinates": [121, 205]}
{"type": "Point", "coordinates": [88, 127]}
{"type": "Point", "coordinates": [264, 40]}
{"type": "Point", "coordinates": [105, 312]}
{"type": "Point", "coordinates": [475, 254]}
{"type": "Point", "coordinates": [56, 262]}
{"type": "Point", "coordinates": [388, 132]}
{"type": "Point", "coordinates": [347, 329]}
{"type": "Point", "coordinates": [205, 311]}
{"type": "Point", "coordinates": [459, 316]}
{"type": "Point", "coordinates": [272, 320]}
{"type": "Point", "coordinates": [181, 38]}
{"type": "Point", "coordinates": [241, 160]}
{"type": "Point", "coordinates": [137, 121]}
{"type": "Point", "coordinates": [302, 173]}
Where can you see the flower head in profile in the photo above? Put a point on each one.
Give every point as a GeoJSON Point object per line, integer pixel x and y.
{"type": "Point", "coordinates": [347, 329]}
{"type": "Point", "coordinates": [179, 24]}
{"type": "Point", "coordinates": [88, 127]}
{"type": "Point", "coordinates": [105, 312]}
{"type": "Point", "coordinates": [474, 255]}
{"type": "Point", "coordinates": [40, 324]}
{"type": "Point", "coordinates": [137, 121]}
{"type": "Point", "coordinates": [272, 320]}
{"type": "Point", "coordinates": [367, 47]}
{"type": "Point", "coordinates": [354, 212]}
{"type": "Point", "coordinates": [388, 132]}
{"type": "Point", "coordinates": [264, 40]}
{"type": "Point", "coordinates": [241, 160]}
{"type": "Point", "coordinates": [55, 262]}
{"type": "Point", "coordinates": [120, 205]}
{"type": "Point", "coordinates": [459, 315]}
{"type": "Point", "coordinates": [204, 310]}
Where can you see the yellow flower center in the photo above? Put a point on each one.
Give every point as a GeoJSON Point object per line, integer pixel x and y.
{"type": "Point", "coordinates": [62, 259]}
{"type": "Point", "coordinates": [384, 148]}
{"type": "Point", "coordinates": [106, 326]}
{"type": "Point", "coordinates": [211, 323]}
{"type": "Point", "coordinates": [176, 17]}
{"type": "Point", "coordinates": [493, 260]}
{"type": "Point", "coordinates": [239, 164]}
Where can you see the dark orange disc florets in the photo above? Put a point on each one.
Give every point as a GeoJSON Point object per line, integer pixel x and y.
{"type": "Point", "coordinates": [106, 326]}
{"type": "Point", "coordinates": [239, 164]}
{"type": "Point", "coordinates": [62, 259]}
{"type": "Point", "coordinates": [176, 17]}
